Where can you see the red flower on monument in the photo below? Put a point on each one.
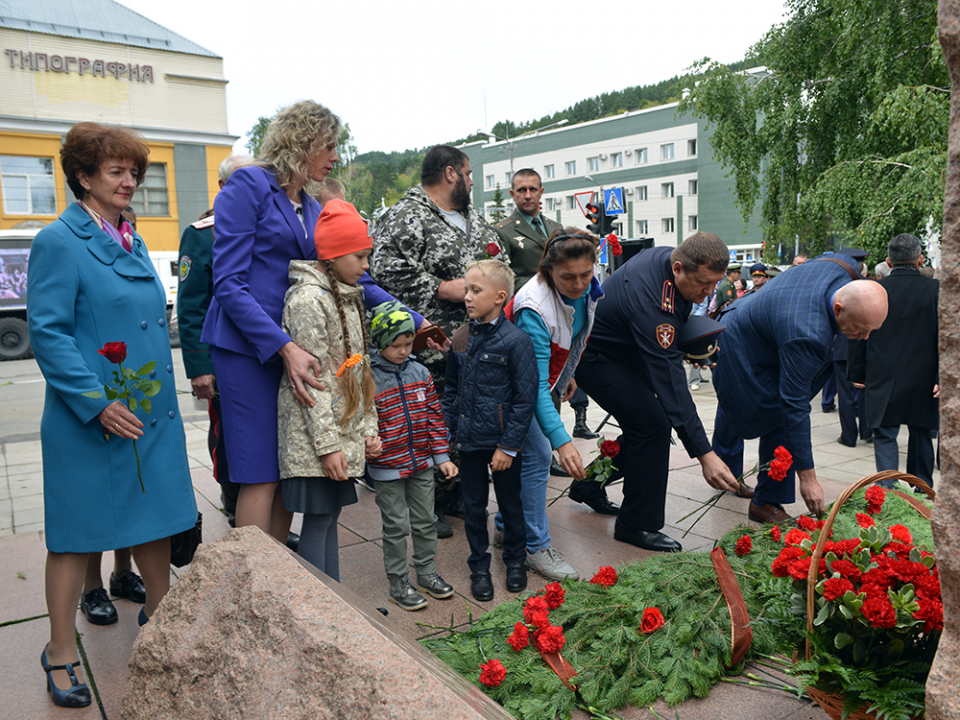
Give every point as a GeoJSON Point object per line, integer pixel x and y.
{"type": "Point", "coordinates": [520, 637]}
{"type": "Point", "coordinates": [606, 576]}
{"type": "Point", "coordinates": [115, 352]}
{"type": "Point", "coordinates": [652, 620]}
{"type": "Point", "coordinates": [554, 595]}
{"type": "Point", "coordinates": [744, 546]}
{"type": "Point", "coordinates": [492, 673]}
{"type": "Point", "coordinates": [549, 639]}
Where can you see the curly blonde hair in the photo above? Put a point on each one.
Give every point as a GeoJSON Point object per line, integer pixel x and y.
{"type": "Point", "coordinates": [292, 136]}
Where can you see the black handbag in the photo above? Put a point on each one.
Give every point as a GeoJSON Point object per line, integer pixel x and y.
{"type": "Point", "coordinates": [183, 546]}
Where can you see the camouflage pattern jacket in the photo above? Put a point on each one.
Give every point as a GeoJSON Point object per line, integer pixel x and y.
{"type": "Point", "coordinates": [415, 248]}
{"type": "Point", "coordinates": [311, 320]}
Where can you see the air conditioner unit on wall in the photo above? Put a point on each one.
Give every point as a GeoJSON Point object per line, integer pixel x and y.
{"type": "Point", "coordinates": [628, 153]}
{"type": "Point", "coordinates": [603, 156]}
{"type": "Point", "coordinates": [629, 191]}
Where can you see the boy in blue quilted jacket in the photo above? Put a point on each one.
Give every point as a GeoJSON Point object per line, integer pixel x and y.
{"type": "Point", "coordinates": [410, 426]}
{"type": "Point", "coordinates": [489, 397]}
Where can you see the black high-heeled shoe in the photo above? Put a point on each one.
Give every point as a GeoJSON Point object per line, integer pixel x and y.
{"type": "Point", "coordinates": [78, 695]}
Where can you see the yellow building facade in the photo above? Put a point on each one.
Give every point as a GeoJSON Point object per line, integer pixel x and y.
{"type": "Point", "coordinates": [55, 72]}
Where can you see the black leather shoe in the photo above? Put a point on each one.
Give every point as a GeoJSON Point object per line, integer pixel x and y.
{"type": "Point", "coordinates": [516, 578]}
{"type": "Point", "coordinates": [829, 408]}
{"type": "Point", "coordinates": [97, 608]}
{"type": "Point", "coordinates": [656, 541]}
{"type": "Point", "coordinates": [595, 498]}
{"type": "Point", "coordinates": [556, 469]}
{"type": "Point", "coordinates": [443, 527]}
{"type": "Point", "coordinates": [129, 586]}
{"type": "Point", "coordinates": [580, 428]}
{"type": "Point", "coordinates": [293, 541]}
{"type": "Point", "coordinates": [77, 695]}
{"type": "Point", "coordinates": [481, 586]}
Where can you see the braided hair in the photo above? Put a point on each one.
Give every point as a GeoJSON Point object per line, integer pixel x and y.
{"type": "Point", "coordinates": [352, 388]}
{"type": "Point", "coordinates": [567, 243]}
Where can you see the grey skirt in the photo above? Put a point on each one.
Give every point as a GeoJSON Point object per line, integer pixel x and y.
{"type": "Point", "coordinates": [317, 495]}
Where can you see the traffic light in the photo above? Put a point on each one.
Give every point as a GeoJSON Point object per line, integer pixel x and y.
{"type": "Point", "coordinates": [595, 216]}
{"type": "Point", "coordinates": [606, 222]}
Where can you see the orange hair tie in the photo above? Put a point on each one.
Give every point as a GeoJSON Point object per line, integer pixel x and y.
{"type": "Point", "coordinates": [350, 362]}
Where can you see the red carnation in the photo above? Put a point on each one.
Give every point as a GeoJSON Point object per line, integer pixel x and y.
{"type": "Point", "coordinates": [799, 569]}
{"type": "Point", "coordinates": [780, 464]}
{"type": "Point", "coordinates": [931, 612]}
{"type": "Point", "coordinates": [614, 243]}
{"type": "Point", "coordinates": [535, 611]}
{"type": "Point", "coordinates": [901, 534]}
{"type": "Point", "coordinates": [806, 523]}
{"type": "Point", "coordinates": [520, 637]}
{"type": "Point", "coordinates": [609, 448]}
{"type": "Point", "coordinates": [554, 594]}
{"type": "Point", "coordinates": [492, 673]}
{"type": "Point", "coordinates": [549, 639]}
{"type": "Point", "coordinates": [846, 568]}
{"type": "Point", "coordinates": [836, 587]}
{"type": "Point", "coordinates": [879, 612]}
{"type": "Point", "coordinates": [493, 250]}
{"type": "Point", "coordinates": [865, 521]}
{"type": "Point", "coordinates": [795, 537]}
{"type": "Point", "coordinates": [744, 546]}
{"type": "Point", "coordinates": [786, 556]}
{"type": "Point", "coordinates": [605, 576]}
{"type": "Point", "coordinates": [115, 352]}
{"type": "Point", "coordinates": [782, 454]}
{"type": "Point", "coordinates": [875, 496]}
{"type": "Point", "coordinates": [775, 533]}
{"type": "Point", "coordinates": [652, 620]}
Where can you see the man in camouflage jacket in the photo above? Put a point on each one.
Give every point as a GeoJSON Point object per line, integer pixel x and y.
{"type": "Point", "coordinates": [423, 244]}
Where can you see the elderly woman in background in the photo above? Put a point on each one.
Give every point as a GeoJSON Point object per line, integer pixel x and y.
{"type": "Point", "coordinates": [265, 219]}
{"type": "Point", "coordinates": [91, 282]}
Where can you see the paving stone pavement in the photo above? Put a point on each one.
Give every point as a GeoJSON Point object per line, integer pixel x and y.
{"type": "Point", "coordinates": [584, 538]}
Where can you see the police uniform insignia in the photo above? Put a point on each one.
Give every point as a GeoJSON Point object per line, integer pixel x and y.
{"type": "Point", "coordinates": [185, 265]}
{"type": "Point", "coordinates": [666, 299]}
{"type": "Point", "coordinates": [665, 335]}
{"type": "Point", "coordinates": [519, 240]}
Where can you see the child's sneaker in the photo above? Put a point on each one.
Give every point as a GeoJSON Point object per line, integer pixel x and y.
{"type": "Point", "coordinates": [403, 594]}
{"type": "Point", "coordinates": [550, 563]}
{"type": "Point", "coordinates": [434, 585]}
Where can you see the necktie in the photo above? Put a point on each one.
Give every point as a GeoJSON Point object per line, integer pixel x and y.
{"type": "Point", "coordinates": [538, 226]}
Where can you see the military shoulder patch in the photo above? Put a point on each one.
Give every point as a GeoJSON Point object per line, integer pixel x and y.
{"type": "Point", "coordinates": [203, 223]}
{"type": "Point", "coordinates": [666, 297]}
{"type": "Point", "coordinates": [665, 335]}
{"type": "Point", "coordinates": [503, 223]}
{"type": "Point", "coordinates": [185, 264]}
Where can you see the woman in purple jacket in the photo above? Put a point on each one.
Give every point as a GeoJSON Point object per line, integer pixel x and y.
{"type": "Point", "coordinates": [265, 219]}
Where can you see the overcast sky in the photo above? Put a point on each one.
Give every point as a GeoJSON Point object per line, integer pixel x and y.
{"type": "Point", "coordinates": [413, 74]}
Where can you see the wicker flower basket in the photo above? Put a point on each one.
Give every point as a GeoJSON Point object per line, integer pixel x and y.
{"type": "Point", "coordinates": [832, 703]}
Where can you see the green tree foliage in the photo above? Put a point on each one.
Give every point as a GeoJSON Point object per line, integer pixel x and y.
{"type": "Point", "coordinates": [256, 134]}
{"type": "Point", "coordinates": [844, 132]}
{"type": "Point", "coordinates": [497, 215]}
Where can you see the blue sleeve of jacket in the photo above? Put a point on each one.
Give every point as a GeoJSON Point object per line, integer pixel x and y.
{"type": "Point", "coordinates": [374, 295]}
{"type": "Point", "coordinates": [546, 412]}
{"type": "Point", "coordinates": [800, 361]}
{"type": "Point", "coordinates": [240, 207]}
{"type": "Point", "coordinates": [451, 387]}
{"type": "Point", "coordinates": [194, 293]}
{"type": "Point", "coordinates": [523, 377]}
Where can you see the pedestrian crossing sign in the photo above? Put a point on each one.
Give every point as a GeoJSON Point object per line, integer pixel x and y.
{"type": "Point", "coordinates": [613, 200]}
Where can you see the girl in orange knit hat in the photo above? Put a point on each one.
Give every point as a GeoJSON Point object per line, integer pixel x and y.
{"type": "Point", "coordinates": [323, 448]}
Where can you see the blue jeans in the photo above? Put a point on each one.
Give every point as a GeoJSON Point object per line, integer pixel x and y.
{"type": "Point", "coordinates": [534, 474]}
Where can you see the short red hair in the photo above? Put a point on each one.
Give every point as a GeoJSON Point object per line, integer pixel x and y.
{"type": "Point", "coordinates": [88, 145]}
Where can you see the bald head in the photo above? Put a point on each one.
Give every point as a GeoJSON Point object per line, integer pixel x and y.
{"type": "Point", "coordinates": [230, 164]}
{"type": "Point", "coordinates": [860, 307]}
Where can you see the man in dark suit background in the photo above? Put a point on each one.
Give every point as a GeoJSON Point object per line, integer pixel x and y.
{"type": "Point", "coordinates": [898, 365]}
{"type": "Point", "coordinates": [778, 349]}
{"type": "Point", "coordinates": [524, 235]}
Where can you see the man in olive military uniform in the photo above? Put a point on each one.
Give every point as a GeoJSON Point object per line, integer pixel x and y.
{"type": "Point", "coordinates": [726, 291]}
{"type": "Point", "coordinates": [525, 232]}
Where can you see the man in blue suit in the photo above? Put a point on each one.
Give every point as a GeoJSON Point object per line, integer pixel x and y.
{"type": "Point", "coordinates": [777, 349]}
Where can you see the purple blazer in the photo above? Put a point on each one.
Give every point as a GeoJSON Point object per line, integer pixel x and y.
{"type": "Point", "coordinates": [257, 234]}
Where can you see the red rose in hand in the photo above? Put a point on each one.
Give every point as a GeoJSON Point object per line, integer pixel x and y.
{"type": "Point", "coordinates": [652, 620]}
{"type": "Point", "coordinates": [115, 352]}
{"type": "Point", "coordinates": [609, 448]}
{"type": "Point", "coordinates": [492, 673]}
{"type": "Point", "coordinates": [493, 249]}
{"type": "Point", "coordinates": [605, 576]}
{"type": "Point", "coordinates": [550, 639]}
{"type": "Point", "coordinates": [520, 637]}
{"type": "Point", "coordinates": [744, 546]}
{"type": "Point", "coordinates": [554, 595]}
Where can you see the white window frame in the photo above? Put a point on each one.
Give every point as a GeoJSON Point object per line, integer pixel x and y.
{"type": "Point", "coordinates": [642, 158]}
{"type": "Point", "coordinates": [667, 191]}
{"type": "Point", "coordinates": [616, 159]}
{"type": "Point", "coordinates": [693, 222]}
{"type": "Point", "coordinates": [669, 225]}
{"type": "Point", "coordinates": [142, 199]}
{"type": "Point", "coordinates": [570, 166]}
{"type": "Point", "coordinates": [549, 171]}
{"type": "Point", "coordinates": [666, 151]}
{"type": "Point", "coordinates": [593, 164]}
{"type": "Point", "coordinates": [29, 187]}
{"type": "Point", "coordinates": [692, 148]}
{"type": "Point", "coordinates": [642, 193]}
{"type": "Point", "coordinates": [571, 202]}
{"type": "Point", "coordinates": [643, 227]}
{"type": "Point", "coordinates": [491, 182]}
{"type": "Point", "coordinates": [693, 187]}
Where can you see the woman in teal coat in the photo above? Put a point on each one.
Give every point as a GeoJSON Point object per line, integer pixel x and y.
{"type": "Point", "coordinates": [91, 282]}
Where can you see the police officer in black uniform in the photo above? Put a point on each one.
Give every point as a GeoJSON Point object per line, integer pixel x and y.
{"type": "Point", "coordinates": [633, 369]}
